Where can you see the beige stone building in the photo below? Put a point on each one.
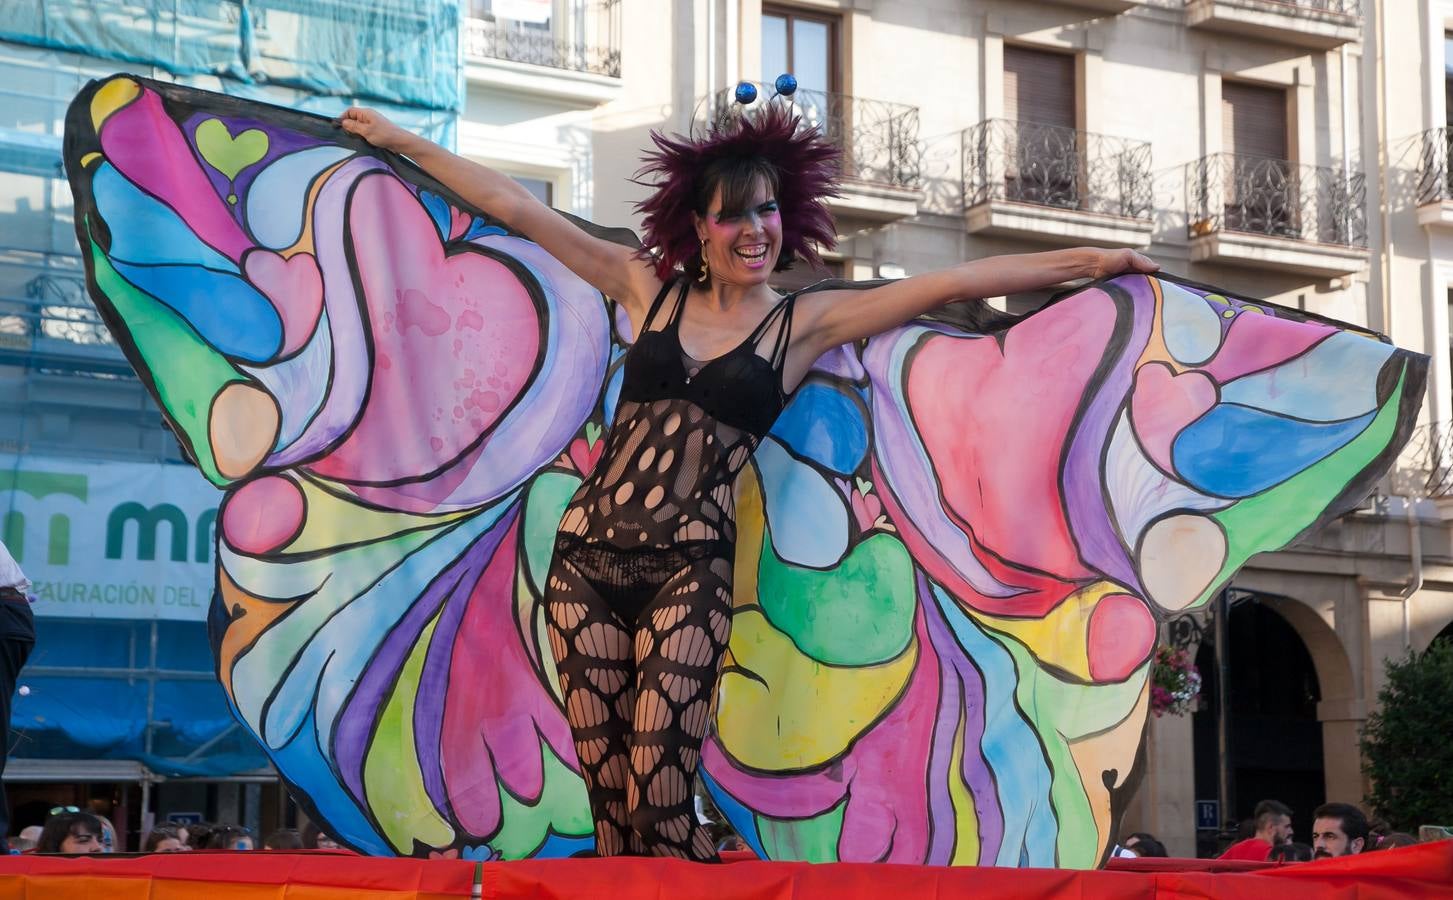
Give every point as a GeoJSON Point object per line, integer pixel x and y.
{"type": "Point", "coordinates": [1293, 150]}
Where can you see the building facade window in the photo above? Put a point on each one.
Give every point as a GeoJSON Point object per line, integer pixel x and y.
{"type": "Point", "coordinates": [1254, 120]}
{"type": "Point", "coordinates": [577, 35]}
{"type": "Point", "coordinates": [1448, 78]}
{"type": "Point", "coordinates": [543, 189]}
{"type": "Point", "coordinates": [1045, 162]}
{"type": "Point", "coordinates": [1262, 193]}
{"type": "Point", "coordinates": [805, 44]}
{"type": "Point", "coordinates": [516, 13]}
{"type": "Point", "coordinates": [1039, 86]}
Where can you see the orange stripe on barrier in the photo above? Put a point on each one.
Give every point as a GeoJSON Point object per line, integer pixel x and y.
{"type": "Point", "coordinates": [234, 876]}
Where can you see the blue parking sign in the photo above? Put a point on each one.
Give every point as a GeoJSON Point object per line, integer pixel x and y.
{"type": "Point", "coordinates": [1208, 815]}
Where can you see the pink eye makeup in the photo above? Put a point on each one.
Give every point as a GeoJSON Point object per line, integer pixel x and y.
{"type": "Point", "coordinates": [763, 211]}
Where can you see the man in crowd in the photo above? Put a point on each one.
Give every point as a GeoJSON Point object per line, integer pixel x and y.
{"type": "Point", "coordinates": [1273, 828]}
{"type": "Point", "coordinates": [17, 637]}
{"type": "Point", "coordinates": [1338, 829]}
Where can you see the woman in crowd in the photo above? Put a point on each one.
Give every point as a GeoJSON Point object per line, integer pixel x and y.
{"type": "Point", "coordinates": [71, 832]}
{"type": "Point", "coordinates": [164, 838]}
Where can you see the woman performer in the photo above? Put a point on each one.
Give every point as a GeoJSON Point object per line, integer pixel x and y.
{"type": "Point", "coordinates": [638, 597]}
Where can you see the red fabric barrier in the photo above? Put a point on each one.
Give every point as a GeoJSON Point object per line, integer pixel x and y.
{"type": "Point", "coordinates": [1422, 871]}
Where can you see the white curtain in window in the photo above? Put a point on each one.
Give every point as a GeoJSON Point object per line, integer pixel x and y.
{"type": "Point", "coordinates": [533, 12]}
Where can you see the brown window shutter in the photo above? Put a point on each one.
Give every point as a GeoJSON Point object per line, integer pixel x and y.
{"type": "Point", "coordinates": [1039, 86]}
{"type": "Point", "coordinates": [1253, 120]}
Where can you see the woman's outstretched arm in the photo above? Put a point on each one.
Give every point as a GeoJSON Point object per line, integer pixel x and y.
{"type": "Point", "coordinates": [830, 318]}
{"type": "Point", "coordinates": [614, 270]}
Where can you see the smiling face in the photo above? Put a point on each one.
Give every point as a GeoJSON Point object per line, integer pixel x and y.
{"type": "Point", "coordinates": [741, 236]}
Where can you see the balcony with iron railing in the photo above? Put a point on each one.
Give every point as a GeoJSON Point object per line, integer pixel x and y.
{"type": "Point", "coordinates": [64, 381]}
{"type": "Point", "coordinates": [1435, 178]}
{"type": "Point", "coordinates": [1272, 213]}
{"type": "Point", "coordinates": [1050, 183]}
{"type": "Point", "coordinates": [881, 154]}
{"type": "Point", "coordinates": [54, 328]}
{"type": "Point", "coordinates": [1424, 467]}
{"type": "Point", "coordinates": [575, 57]}
{"type": "Point", "coordinates": [1314, 24]}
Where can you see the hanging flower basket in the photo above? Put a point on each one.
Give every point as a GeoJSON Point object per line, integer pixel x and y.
{"type": "Point", "coordinates": [1175, 683]}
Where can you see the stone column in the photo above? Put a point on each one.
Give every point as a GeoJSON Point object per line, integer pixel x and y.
{"type": "Point", "coordinates": [1165, 802]}
{"type": "Point", "coordinates": [1171, 756]}
{"type": "Point", "coordinates": [1341, 752]}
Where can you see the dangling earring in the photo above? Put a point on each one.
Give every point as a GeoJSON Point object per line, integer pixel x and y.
{"type": "Point", "coordinates": [704, 273]}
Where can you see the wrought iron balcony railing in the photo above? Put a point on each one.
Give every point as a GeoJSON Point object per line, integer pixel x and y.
{"type": "Point", "coordinates": [1274, 197]}
{"type": "Point", "coordinates": [54, 327]}
{"type": "Point", "coordinates": [1049, 165]}
{"type": "Point", "coordinates": [1342, 7]}
{"type": "Point", "coordinates": [878, 139]}
{"type": "Point", "coordinates": [540, 47]}
{"type": "Point", "coordinates": [1424, 468]}
{"type": "Point", "coordinates": [1435, 178]}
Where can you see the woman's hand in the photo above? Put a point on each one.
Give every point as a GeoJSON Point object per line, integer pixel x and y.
{"type": "Point", "coordinates": [375, 128]}
{"type": "Point", "coordinates": [1105, 263]}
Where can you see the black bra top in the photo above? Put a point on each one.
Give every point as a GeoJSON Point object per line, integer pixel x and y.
{"type": "Point", "coordinates": [741, 388]}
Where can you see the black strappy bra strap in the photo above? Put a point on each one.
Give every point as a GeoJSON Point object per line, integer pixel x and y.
{"type": "Point", "coordinates": [781, 315]}
{"type": "Point", "coordinates": [675, 317]}
{"type": "Point", "coordinates": [784, 335]}
{"type": "Point", "coordinates": [656, 304]}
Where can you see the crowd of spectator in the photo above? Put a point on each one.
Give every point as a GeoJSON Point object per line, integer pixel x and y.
{"type": "Point", "coordinates": [71, 830]}
{"type": "Point", "coordinates": [1338, 829]}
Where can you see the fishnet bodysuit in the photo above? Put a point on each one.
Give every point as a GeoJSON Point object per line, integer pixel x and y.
{"type": "Point", "coordinates": [638, 599]}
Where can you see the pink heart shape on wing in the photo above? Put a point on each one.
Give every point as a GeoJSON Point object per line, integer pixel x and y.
{"type": "Point", "coordinates": [998, 467]}
{"type": "Point", "coordinates": [866, 510]}
{"type": "Point", "coordinates": [295, 287]}
{"type": "Point", "coordinates": [1163, 404]}
{"type": "Point", "coordinates": [584, 456]}
{"type": "Point", "coordinates": [456, 339]}
{"type": "Point", "coordinates": [459, 222]}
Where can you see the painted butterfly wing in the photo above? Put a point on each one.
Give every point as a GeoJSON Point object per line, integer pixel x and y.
{"type": "Point", "coordinates": [361, 365]}
{"type": "Point", "coordinates": [947, 660]}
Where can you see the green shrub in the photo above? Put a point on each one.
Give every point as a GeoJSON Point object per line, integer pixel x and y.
{"type": "Point", "coordinates": [1407, 745]}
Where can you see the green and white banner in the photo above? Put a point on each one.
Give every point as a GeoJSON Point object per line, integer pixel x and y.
{"type": "Point", "coordinates": [110, 539]}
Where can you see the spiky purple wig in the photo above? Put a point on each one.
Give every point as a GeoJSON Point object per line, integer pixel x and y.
{"type": "Point", "coordinates": [682, 173]}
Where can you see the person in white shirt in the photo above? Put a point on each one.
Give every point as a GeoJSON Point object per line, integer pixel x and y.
{"type": "Point", "coordinates": [17, 638]}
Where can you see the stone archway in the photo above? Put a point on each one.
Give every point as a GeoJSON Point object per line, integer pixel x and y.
{"type": "Point", "coordinates": [1293, 710]}
{"type": "Point", "coordinates": [1334, 671]}
{"type": "Point", "coordinates": [1340, 710]}
{"type": "Point", "coordinates": [1445, 635]}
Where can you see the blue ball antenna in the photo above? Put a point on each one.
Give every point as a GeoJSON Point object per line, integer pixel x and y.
{"type": "Point", "coordinates": [746, 92]}
{"type": "Point", "coordinates": [786, 84]}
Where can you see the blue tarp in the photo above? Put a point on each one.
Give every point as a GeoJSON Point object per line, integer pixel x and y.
{"type": "Point", "coordinates": [100, 714]}
{"type": "Point", "coordinates": [400, 55]}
